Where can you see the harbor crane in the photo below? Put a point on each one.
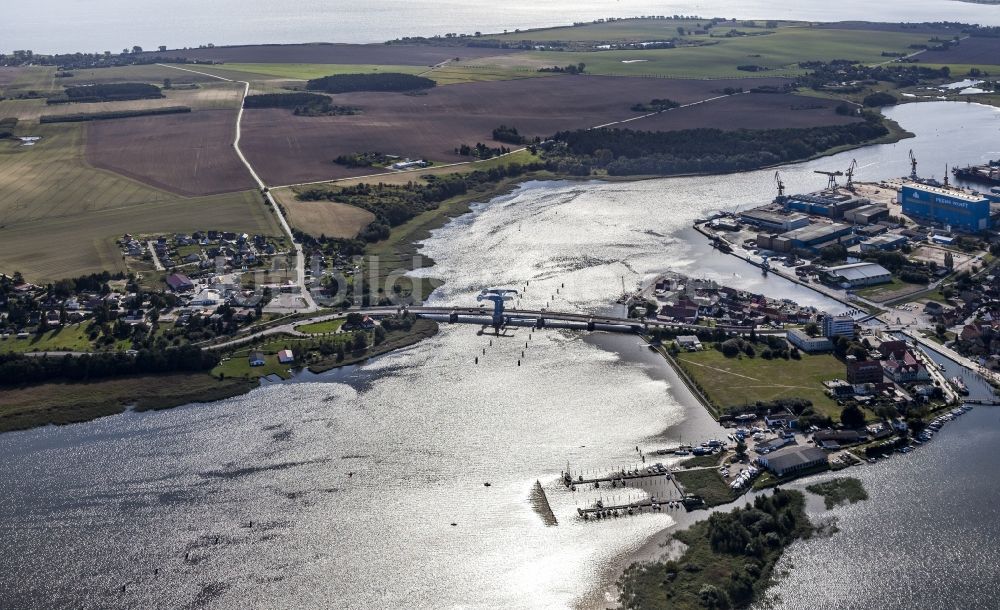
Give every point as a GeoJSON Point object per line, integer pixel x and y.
{"type": "Point", "coordinates": [913, 166]}
{"type": "Point", "coordinates": [850, 174]}
{"type": "Point", "coordinates": [781, 188]}
{"type": "Point", "coordinates": [499, 296]}
{"type": "Point", "coordinates": [832, 182]}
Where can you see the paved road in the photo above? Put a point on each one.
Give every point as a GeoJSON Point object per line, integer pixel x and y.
{"type": "Point", "coordinates": [156, 259]}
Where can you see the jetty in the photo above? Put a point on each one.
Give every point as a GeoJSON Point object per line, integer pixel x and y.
{"type": "Point", "coordinates": [617, 479]}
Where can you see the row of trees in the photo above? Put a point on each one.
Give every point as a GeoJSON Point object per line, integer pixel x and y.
{"type": "Point", "coordinates": [383, 81]}
{"type": "Point", "coordinates": [108, 92]}
{"type": "Point", "coordinates": [301, 103]}
{"type": "Point", "coordinates": [18, 369]}
{"type": "Point", "coordinates": [626, 152]}
{"type": "Point", "coordinates": [82, 117]}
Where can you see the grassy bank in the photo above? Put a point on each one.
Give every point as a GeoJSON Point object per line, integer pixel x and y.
{"type": "Point", "coordinates": [67, 403]}
{"type": "Point", "coordinates": [728, 561]}
{"type": "Point", "coordinates": [708, 484]}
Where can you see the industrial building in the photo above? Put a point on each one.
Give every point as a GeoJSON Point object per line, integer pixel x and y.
{"type": "Point", "coordinates": [889, 241]}
{"type": "Point", "coordinates": [829, 203]}
{"type": "Point", "coordinates": [773, 220]}
{"type": "Point", "coordinates": [857, 275]}
{"type": "Point", "coordinates": [944, 206]}
{"type": "Point", "coordinates": [818, 236]}
{"type": "Point", "coordinates": [809, 345]}
{"type": "Point", "coordinates": [867, 214]}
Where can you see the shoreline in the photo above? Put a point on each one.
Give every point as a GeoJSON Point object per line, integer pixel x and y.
{"type": "Point", "coordinates": [42, 405]}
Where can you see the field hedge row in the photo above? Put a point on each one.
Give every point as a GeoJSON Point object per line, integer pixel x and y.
{"type": "Point", "coordinates": [116, 114]}
{"type": "Point", "coordinates": [385, 81]}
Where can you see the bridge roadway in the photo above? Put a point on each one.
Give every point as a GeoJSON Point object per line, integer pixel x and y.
{"type": "Point", "coordinates": [483, 316]}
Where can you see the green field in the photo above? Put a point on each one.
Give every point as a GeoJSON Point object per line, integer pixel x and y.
{"type": "Point", "coordinates": [734, 382]}
{"type": "Point", "coordinates": [708, 484]}
{"type": "Point", "coordinates": [625, 30]}
{"type": "Point", "coordinates": [70, 338]}
{"type": "Point", "coordinates": [330, 326]}
{"type": "Point", "coordinates": [69, 246]}
{"type": "Point", "coordinates": [780, 52]}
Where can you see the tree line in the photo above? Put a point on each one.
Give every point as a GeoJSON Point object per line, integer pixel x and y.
{"type": "Point", "coordinates": [383, 81]}
{"type": "Point", "coordinates": [625, 152]}
{"type": "Point", "coordinates": [81, 117]}
{"type": "Point", "coordinates": [301, 104]}
{"type": "Point", "coordinates": [19, 369]}
{"type": "Point", "coordinates": [109, 92]}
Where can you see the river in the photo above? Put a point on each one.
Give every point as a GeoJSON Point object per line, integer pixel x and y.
{"type": "Point", "coordinates": [67, 26]}
{"type": "Point", "coordinates": [366, 488]}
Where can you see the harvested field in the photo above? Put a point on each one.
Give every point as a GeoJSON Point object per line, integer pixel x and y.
{"type": "Point", "coordinates": [324, 217]}
{"type": "Point", "coordinates": [188, 154]}
{"type": "Point", "coordinates": [55, 248]}
{"type": "Point", "coordinates": [779, 52]}
{"type": "Point", "coordinates": [310, 71]}
{"type": "Point", "coordinates": [289, 149]}
{"type": "Point", "coordinates": [150, 73]}
{"type": "Point", "coordinates": [215, 95]}
{"type": "Point", "coordinates": [9, 74]}
{"type": "Point", "coordinates": [29, 78]}
{"type": "Point", "coordinates": [324, 53]}
{"type": "Point", "coordinates": [749, 111]}
{"type": "Point", "coordinates": [52, 179]}
{"type": "Point", "coordinates": [975, 51]}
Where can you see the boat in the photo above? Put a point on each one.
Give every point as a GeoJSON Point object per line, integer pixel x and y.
{"type": "Point", "coordinates": [682, 452]}
{"type": "Point", "coordinates": [988, 173]}
{"type": "Point", "coordinates": [959, 385]}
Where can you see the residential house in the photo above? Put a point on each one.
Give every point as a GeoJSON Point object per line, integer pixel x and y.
{"type": "Point", "coordinates": [257, 359]}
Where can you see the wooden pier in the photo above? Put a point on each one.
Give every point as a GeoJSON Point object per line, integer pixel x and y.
{"type": "Point", "coordinates": [617, 479]}
{"type": "Point", "coordinates": [602, 511]}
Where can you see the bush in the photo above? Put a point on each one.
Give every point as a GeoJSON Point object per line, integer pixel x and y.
{"type": "Point", "coordinates": [879, 99]}
{"type": "Point", "coordinates": [384, 81]}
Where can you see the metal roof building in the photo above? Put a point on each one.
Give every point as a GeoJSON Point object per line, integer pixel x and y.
{"type": "Point", "coordinates": [792, 459]}
{"type": "Point", "coordinates": [859, 274]}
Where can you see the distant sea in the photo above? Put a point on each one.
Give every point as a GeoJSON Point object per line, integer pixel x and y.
{"type": "Point", "coordinates": [97, 25]}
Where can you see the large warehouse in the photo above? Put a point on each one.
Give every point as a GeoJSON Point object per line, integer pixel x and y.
{"type": "Point", "coordinates": [945, 206]}
{"type": "Point", "coordinates": [857, 275]}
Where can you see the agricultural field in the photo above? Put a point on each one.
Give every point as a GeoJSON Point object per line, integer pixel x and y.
{"type": "Point", "coordinates": [752, 110]}
{"type": "Point", "coordinates": [323, 217]}
{"type": "Point", "coordinates": [52, 179]}
{"type": "Point", "coordinates": [328, 53]}
{"type": "Point", "coordinates": [969, 52]}
{"type": "Point", "coordinates": [290, 149]}
{"type": "Point", "coordinates": [733, 382]}
{"type": "Point", "coordinates": [148, 73]}
{"type": "Point", "coordinates": [779, 52]}
{"type": "Point", "coordinates": [626, 30]}
{"type": "Point", "coordinates": [310, 71]}
{"type": "Point", "coordinates": [21, 80]}
{"type": "Point", "coordinates": [188, 154]}
{"type": "Point", "coordinates": [210, 96]}
{"type": "Point", "coordinates": [70, 246]}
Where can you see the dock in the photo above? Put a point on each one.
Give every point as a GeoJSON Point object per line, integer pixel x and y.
{"type": "Point", "coordinates": [600, 511]}
{"type": "Point", "coordinates": [617, 479]}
